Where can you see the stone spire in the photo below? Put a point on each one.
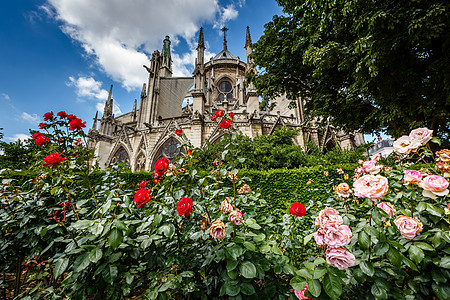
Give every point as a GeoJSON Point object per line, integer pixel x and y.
{"type": "Point", "coordinates": [133, 112]}
{"type": "Point", "coordinates": [166, 57]}
{"type": "Point", "coordinates": [248, 39]}
{"type": "Point", "coordinates": [200, 49]}
{"type": "Point", "coordinates": [248, 50]}
{"type": "Point", "coordinates": [224, 29]}
{"type": "Point", "coordinates": [108, 110]}
{"type": "Point", "coordinates": [144, 91]}
{"type": "Point", "coordinates": [201, 40]}
{"type": "Point", "coordinates": [94, 125]}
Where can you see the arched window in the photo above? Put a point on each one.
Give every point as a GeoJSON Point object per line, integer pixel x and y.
{"type": "Point", "coordinates": [169, 149]}
{"type": "Point", "coordinates": [140, 162]}
{"type": "Point", "coordinates": [225, 90]}
{"type": "Point", "coordinates": [121, 156]}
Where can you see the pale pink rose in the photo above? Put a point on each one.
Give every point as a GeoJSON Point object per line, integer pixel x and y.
{"type": "Point", "coordinates": [328, 217]}
{"type": "Point", "coordinates": [343, 190]}
{"type": "Point", "coordinates": [340, 258]}
{"type": "Point", "coordinates": [371, 167]}
{"type": "Point", "coordinates": [404, 145]}
{"type": "Point", "coordinates": [235, 217]}
{"type": "Point", "coordinates": [412, 176]}
{"type": "Point", "coordinates": [421, 135]}
{"type": "Point", "coordinates": [319, 236]}
{"type": "Point", "coordinates": [433, 186]}
{"type": "Point", "coordinates": [217, 230]}
{"type": "Point", "coordinates": [387, 207]}
{"type": "Point", "coordinates": [408, 226]}
{"type": "Point", "coordinates": [337, 236]}
{"type": "Point", "coordinates": [359, 170]}
{"type": "Point", "coordinates": [226, 206]}
{"type": "Point", "coordinates": [360, 161]}
{"type": "Point", "coordinates": [443, 155]}
{"type": "Point", "coordinates": [371, 186]}
{"type": "Point", "coordinates": [301, 294]}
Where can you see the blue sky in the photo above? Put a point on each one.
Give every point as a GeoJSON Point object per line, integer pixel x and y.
{"type": "Point", "coordinates": [64, 54]}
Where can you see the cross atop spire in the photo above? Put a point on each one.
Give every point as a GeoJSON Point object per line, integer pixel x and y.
{"type": "Point", "coordinates": [224, 29]}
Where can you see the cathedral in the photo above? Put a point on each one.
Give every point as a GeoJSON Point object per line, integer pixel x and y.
{"type": "Point", "coordinates": [141, 137]}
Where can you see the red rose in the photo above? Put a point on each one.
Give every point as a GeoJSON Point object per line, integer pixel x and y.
{"type": "Point", "coordinates": [62, 114]}
{"type": "Point", "coordinates": [161, 165]}
{"type": "Point", "coordinates": [141, 197]}
{"type": "Point", "coordinates": [178, 132]}
{"type": "Point", "coordinates": [225, 124]}
{"type": "Point", "coordinates": [189, 152]}
{"type": "Point", "coordinates": [43, 125]}
{"type": "Point", "coordinates": [37, 134]}
{"type": "Point", "coordinates": [184, 207]}
{"type": "Point", "coordinates": [231, 114]}
{"type": "Point", "coordinates": [53, 159]}
{"type": "Point", "coordinates": [297, 209]}
{"type": "Point", "coordinates": [71, 117]}
{"type": "Point", "coordinates": [143, 183]}
{"type": "Point", "coordinates": [76, 124]}
{"type": "Point", "coordinates": [219, 113]}
{"type": "Point", "coordinates": [41, 140]}
{"type": "Point", "coordinates": [213, 118]}
{"type": "Point", "coordinates": [48, 116]}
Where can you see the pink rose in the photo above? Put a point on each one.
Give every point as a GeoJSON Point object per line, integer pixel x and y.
{"type": "Point", "coordinates": [387, 207]}
{"type": "Point", "coordinates": [433, 186]}
{"type": "Point", "coordinates": [408, 226]}
{"type": "Point", "coordinates": [319, 236]}
{"type": "Point", "coordinates": [217, 230]}
{"type": "Point", "coordinates": [371, 186]}
{"type": "Point", "coordinates": [404, 145]}
{"type": "Point", "coordinates": [421, 135]}
{"type": "Point", "coordinates": [371, 167]}
{"type": "Point", "coordinates": [301, 294]}
{"type": "Point", "coordinates": [340, 258]}
{"type": "Point", "coordinates": [225, 206]}
{"type": "Point", "coordinates": [412, 176]}
{"type": "Point", "coordinates": [443, 155]}
{"type": "Point", "coordinates": [235, 217]}
{"type": "Point", "coordinates": [337, 236]}
{"type": "Point", "coordinates": [328, 217]}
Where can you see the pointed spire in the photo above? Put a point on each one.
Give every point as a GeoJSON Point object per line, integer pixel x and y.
{"type": "Point", "coordinates": [94, 125]}
{"type": "Point", "coordinates": [248, 40]}
{"type": "Point", "coordinates": [133, 112]}
{"type": "Point", "coordinates": [144, 91]}
{"type": "Point", "coordinates": [166, 57]}
{"type": "Point", "coordinates": [224, 29]}
{"type": "Point", "coordinates": [201, 40]}
{"type": "Point", "coordinates": [107, 112]}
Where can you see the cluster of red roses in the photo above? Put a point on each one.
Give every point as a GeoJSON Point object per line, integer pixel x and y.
{"type": "Point", "coordinates": [225, 123]}
{"type": "Point", "coordinates": [40, 139]}
{"type": "Point", "coordinates": [143, 195]}
{"type": "Point", "coordinates": [74, 122]}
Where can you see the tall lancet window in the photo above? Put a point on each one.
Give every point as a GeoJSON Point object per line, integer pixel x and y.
{"type": "Point", "coordinates": [225, 90]}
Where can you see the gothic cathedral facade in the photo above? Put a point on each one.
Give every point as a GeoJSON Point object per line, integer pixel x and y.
{"type": "Point", "coordinates": [141, 137]}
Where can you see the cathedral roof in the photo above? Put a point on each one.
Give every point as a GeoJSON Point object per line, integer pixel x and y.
{"type": "Point", "coordinates": [225, 54]}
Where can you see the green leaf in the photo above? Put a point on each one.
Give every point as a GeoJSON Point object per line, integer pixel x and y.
{"type": "Point", "coordinates": [81, 262]}
{"type": "Point", "coordinates": [394, 256]}
{"type": "Point", "coordinates": [298, 283]}
{"type": "Point", "coordinates": [442, 291]}
{"type": "Point", "coordinates": [379, 292]}
{"type": "Point", "coordinates": [381, 248]}
{"type": "Point", "coordinates": [371, 231]}
{"type": "Point", "coordinates": [314, 287]}
{"type": "Point", "coordinates": [319, 272]}
{"type": "Point", "coordinates": [367, 268]}
{"type": "Point", "coordinates": [332, 286]}
{"type": "Point", "coordinates": [363, 240]}
{"type": "Point", "coordinates": [95, 254]}
{"type": "Point", "coordinates": [304, 273]}
{"type": "Point", "coordinates": [232, 290]}
{"type": "Point", "coordinates": [277, 250]}
{"type": "Point", "coordinates": [424, 246]}
{"type": "Point", "coordinates": [437, 276]}
{"type": "Point", "coordinates": [307, 238]}
{"type": "Point", "coordinates": [416, 254]}
{"type": "Point", "coordinates": [247, 288]}
{"type": "Point", "coordinates": [435, 140]}
{"type": "Point", "coordinates": [231, 265]}
{"type": "Point", "coordinates": [249, 246]}
{"type": "Point", "coordinates": [445, 262]}
{"type": "Point", "coordinates": [234, 251]}
{"type": "Point", "coordinates": [43, 232]}
{"type": "Point", "coordinates": [434, 210]}
{"type": "Point", "coordinates": [248, 270]}
{"type": "Point", "coordinates": [167, 229]}
{"type": "Point", "coordinates": [60, 267]}
{"type": "Point", "coordinates": [115, 238]}
{"type": "Point", "coordinates": [409, 263]}
{"type": "Point", "coordinates": [110, 273]}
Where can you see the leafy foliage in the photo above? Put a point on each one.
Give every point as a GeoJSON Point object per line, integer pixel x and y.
{"type": "Point", "coordinates": [370, 65]}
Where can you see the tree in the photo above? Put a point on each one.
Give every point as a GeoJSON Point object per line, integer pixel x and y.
{"type": "Point", "coordinates": [18, 155]}
{"type": "Point", "coordinates": [371, 65]}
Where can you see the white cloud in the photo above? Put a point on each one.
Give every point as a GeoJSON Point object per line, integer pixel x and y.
{"type": "Point", "coordinates": [21, 136]}
{"type": "Point", "coordinates": [5, 96]}
{"type": "Point", "coordinates": [88, 87]}
{"type": "Point", "coordinates": [119, 33]}
{"type": "Point", "coordinates": [226, 14]}
{"type": "Point", "coordinates": [33, 118]}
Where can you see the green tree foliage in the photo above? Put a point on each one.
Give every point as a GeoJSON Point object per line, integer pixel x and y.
{"type": "Point", "coordinates": [274, 151]}
{"type": "Point", "coordinates": [373, 65]}
{"type": "Point", "coordinates": [18, 154]}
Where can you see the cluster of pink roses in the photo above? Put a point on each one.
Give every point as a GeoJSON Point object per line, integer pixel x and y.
{"type": "Point", "coordinates": [432, 185]}
{"type": "Point", "coordinates": [234, 215]}
{"type": "Point", "coordinates": [332, 233]}
{"type": "Point", "coordinates": [410, 143]}
{"type": "Point", "coordinates": [369, 167]}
